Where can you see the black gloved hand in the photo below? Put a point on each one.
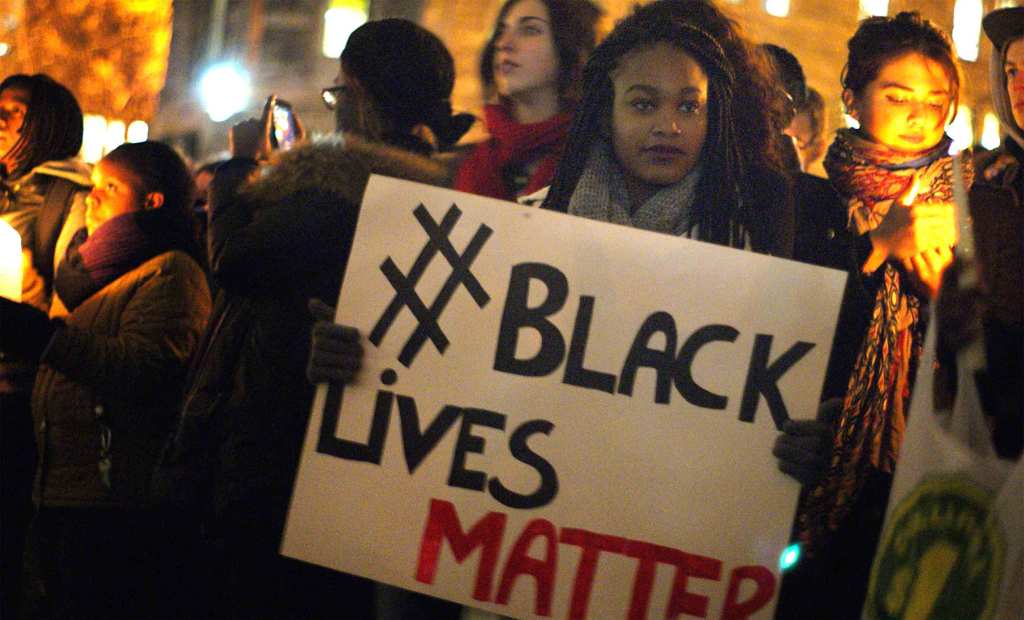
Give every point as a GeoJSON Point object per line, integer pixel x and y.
{"type": "Point", "coordinates": [335, 354]}
{"type": "Point", "coordinates": [24, 330]}
{"type": "Point", "coordinates": [804, 446]}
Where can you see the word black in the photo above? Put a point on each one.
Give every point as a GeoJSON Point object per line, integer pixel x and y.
{"type": "Point", "coordinates": [672, 367]}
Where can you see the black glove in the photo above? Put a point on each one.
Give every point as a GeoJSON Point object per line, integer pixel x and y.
{"type": "Point", "coordinates": [335, 353]}
{"type": "Point", "coordinates": [24, 331]}
{"type": "Point", "coordinates": [804, 446]}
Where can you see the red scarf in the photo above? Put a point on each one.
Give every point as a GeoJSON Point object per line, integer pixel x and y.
{"type": "Point", "coordinates": [513, 144]}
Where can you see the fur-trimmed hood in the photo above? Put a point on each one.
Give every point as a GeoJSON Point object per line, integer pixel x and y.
{"type": "Point", "coordinates": [342, 166]}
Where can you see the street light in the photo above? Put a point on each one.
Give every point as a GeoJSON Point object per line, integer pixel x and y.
{"type": "Point", "coordinates": [341, 18]}
{"type": "Point", "coordinates": [224, 90]}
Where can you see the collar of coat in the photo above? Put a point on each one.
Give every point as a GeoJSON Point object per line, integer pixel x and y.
{"type": "Point", "coordinates": [342, 166]}
{"type": "Point", "coordinates": [1003, 166]}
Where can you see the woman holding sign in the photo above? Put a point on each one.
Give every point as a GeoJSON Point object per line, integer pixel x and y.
{"type": "Point", "coordinates": [893, 229]}
{"type": "Point", "coordinates": [531, 64]}
{"type": "Point", "coordinates": [656, 143]}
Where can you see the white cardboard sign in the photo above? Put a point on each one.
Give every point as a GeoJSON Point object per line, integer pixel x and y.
{"type": "Point", "coordinates": [558, 417]}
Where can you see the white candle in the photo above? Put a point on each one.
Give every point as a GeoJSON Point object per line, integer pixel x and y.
{"type": "Point", "coordinates": [10, 262]}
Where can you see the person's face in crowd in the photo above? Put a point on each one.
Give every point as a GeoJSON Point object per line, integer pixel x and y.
{"type": "Point", "coordinates": [525, 58]}
{"type": "Point", "coordinates": [659, 116]}
{"type": "Point", "coordinates": [14, 103]}
{"type": "Point", "coordinates": [1014, 68]}
{"type": "Point", "coordinates": [203, 189]}
{"type": "Point", "coordinates": [114, 193]}
{"type": "Point", "coordinates": [353, 110]}
{"type": "Point", "coordinates": [801, 129]}
{"type": "Point", "coordinates": [906, 106]}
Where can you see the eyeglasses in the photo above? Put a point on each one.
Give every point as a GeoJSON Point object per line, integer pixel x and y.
{"type": "Point", "coordinates": [332, 95]}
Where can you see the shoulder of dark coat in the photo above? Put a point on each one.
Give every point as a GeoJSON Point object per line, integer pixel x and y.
{"type": "Point", "coordinates": [995, 167]}
{"type": "Point", "coordinates": [341, 168]}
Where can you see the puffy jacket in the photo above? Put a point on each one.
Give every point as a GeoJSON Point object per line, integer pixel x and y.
{"type": "Point", "coordinates": [274, 243]}
{"type": "Point", "coordinates": [119, 364]}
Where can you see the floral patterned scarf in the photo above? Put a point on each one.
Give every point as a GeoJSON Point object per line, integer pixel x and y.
{"type": "Point", "coordinates": [870, 429]}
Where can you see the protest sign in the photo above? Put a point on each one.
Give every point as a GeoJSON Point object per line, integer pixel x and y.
{"type": "Point", "coordinates": [558, 417]}
{"type": "Point", "coordinates": [953, 541]}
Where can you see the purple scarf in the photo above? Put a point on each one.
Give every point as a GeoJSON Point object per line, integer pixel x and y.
{"type": "Point", "coordinates": [119, 245]}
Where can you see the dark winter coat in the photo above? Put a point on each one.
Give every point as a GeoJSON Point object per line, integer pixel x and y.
{"type": "Point", "coordinates": [119, 363]}
{"type": "Point", "coordinates": [823, 239]}
{"type": "Point", "coordinates": [998, 218]}
{"type": "Point", "coordinates": [274, 243]}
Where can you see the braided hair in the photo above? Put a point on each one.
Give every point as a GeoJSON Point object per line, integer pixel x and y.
{"type": "Point", "coordinates": [52, 128]}
{"type": "Point", "coordinates": [739, 144]}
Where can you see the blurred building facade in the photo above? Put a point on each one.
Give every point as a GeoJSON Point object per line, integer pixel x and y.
{"type": "Point", "coordinates": [112, 54]}
{"type": "Point", "coordinates": [280, 40]}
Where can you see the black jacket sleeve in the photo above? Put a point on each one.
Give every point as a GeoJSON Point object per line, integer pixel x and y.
{"type": "Point", "coordinates": [255, 246]}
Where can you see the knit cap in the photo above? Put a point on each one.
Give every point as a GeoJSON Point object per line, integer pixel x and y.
{"type": "Point", "coordinates": [407, 70]}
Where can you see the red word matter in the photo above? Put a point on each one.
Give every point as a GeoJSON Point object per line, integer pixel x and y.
{"type": "Point", "coordinates": [488, 533]}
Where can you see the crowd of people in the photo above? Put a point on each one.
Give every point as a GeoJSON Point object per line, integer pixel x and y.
{"type": "Point", "coordinates": [158, 373]}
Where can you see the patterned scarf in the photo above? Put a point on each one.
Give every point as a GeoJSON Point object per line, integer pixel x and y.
{"type": "Point", "coordinates": [870, 429]}
{"type": "Point", "coordinates": [513, 144]}
{"type": "Point", "coordinates": [601, 195]}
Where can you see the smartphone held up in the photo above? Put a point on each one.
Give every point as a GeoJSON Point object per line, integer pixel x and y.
{"type": "Point", "coordinates": [284, 129]}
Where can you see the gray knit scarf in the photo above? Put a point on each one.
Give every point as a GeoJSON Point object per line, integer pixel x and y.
{"type": "Point", "coordinates": [601, 195]}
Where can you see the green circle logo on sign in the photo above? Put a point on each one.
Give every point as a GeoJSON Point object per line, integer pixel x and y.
{"type": "Point", "coordinates": [940, 557]}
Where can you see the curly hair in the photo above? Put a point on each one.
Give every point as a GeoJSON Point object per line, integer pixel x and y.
{"type": "Point", "coordinates": [573, 29]}
{"type": "Point", "coordinates": [52, 128]}
{"type": "Point", "coordinates": [879, 40]}
{"type": "Point", "coordinates": [745, 115]}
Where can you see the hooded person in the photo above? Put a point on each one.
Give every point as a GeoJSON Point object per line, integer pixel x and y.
{"type": "Point", "coordinates": [279, 235]}
{"type": "Point", "coordinates": [998, 220]}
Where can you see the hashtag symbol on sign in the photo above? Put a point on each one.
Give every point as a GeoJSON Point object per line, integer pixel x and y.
{"type": "Point", "coordinates": [405, 284]}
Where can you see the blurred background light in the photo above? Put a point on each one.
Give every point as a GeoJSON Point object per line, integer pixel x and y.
{"type": "Point", "coordinates": [874, 8]}
{"type": "Point", "coordinates": [962, 129]}
{"type": "Point", "coordinates": [778, 8]}
{"type": "Point", "coordinates": [114, 137]}
{"type": "Point", "coordinates": [967, 28]}
{"type": "Point", "coordinates": [990, 138]}
{"type": "Point", "coordinates": [224, 90]}
{"type": "Point", "coordinates": [340, 19]}
{"type": "Point", "coordinates": [138, 131]}
{"type": "Point", "coordinates": [94, 137]}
